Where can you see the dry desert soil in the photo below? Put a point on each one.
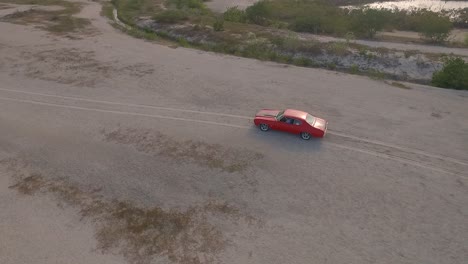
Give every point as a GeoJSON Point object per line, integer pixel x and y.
{"type": "Point", "coordinates": [117, 150]}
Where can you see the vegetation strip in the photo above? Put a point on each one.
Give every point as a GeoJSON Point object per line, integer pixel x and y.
{"type": "Point", "coordinates": [60, 22]}
{"type": "Point", "coordinates": [190, 24]}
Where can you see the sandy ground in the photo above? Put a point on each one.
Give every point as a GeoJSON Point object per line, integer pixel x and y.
{"type": "Point", "coordinates": [170, 128]}
{"type": "Point", "coordinates": [34, 231]}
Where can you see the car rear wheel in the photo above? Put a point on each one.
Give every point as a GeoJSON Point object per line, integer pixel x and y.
{"type": "Point", "coordinates": [264, 127]}
{"type": "Point", "coordinates": [305, 136]}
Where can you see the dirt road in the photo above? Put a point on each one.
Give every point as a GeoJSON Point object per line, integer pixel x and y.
{"type": "Point", "coordinates": [397, 46]}
{"type": "Point", "coordinates": [90, 121]}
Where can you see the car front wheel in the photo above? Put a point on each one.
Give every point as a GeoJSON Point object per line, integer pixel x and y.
{"type": "Point", "coordinates": [264, 127]}
{"type": "Point", "coordinates": [305, 135]}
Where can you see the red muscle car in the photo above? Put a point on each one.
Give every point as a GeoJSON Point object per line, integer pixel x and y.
{"type": "Point", "coordinates": [292, 121]}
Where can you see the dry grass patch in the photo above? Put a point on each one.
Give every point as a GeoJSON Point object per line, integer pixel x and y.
{"type": "Point", "coordinates": [211, 155]}
{"type": "Point", "coordinates": [140, 234]}
{"type": "Point", "coordinates": [29, 185]}
{"type": "Point", "coordinates": [59, 22]}
{"type": "Point", "coordinates": [75, 66]}
{"type": "Point", "coordinates": [52, 21]}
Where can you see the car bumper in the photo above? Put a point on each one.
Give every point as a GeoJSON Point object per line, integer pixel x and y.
{"type": "Point", "coordinates": [325, 130]}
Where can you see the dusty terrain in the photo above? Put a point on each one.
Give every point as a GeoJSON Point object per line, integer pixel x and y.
{"type": "Point", "coordinates": [116, 150]}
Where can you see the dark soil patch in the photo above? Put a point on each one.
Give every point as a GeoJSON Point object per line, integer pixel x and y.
{"type": "Point", "coordinates": [211, 155]}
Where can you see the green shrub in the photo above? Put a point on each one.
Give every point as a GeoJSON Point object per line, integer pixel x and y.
{"type": "Point", "coordinates": [259, 13]}
{"type": "Point", "coordinates": [183, 42]}
{"type": "Point", "coordinates": [142, 34]}
{"type": "Point", "coordinates": [218, 25]}
{"type": "Point", "coordinates": [338, 48]}
{"type": "Point", "coordinates": [130, 9]}
{"type": "Point", "coordinates": [171, 16]}
{"type": "Point", "coordinates": [350, 37]}
{"type": "Point", "coordinates": [331, 66]}
{"type": "Point", "coordinates": [354, 69]}
{"type": "Point", "coordinates": [453, 75]}
{"type": "Point", "coordinates": [259, 50]}
{"type": "Point", "coordinates": [303, 62]}
{"type": "Point", "coordinates": [312, 24]}
{"type": "Point", "coordinates": [234, 14]}
{"type": "Point", "coordinates": [435, 28]}
{"type": "Point", "coordinates": [376, 74]}
{"type": "Point", "coordinates": [317, 17]}
{"type": "Point", "coordinates": [322, 17]}
{"type": "Point", "coordinates": [466, 40]}
{"type": "Point", "coordinates": [367, 22]}
{"type": "Point", "coordinates": [223, 47]}
{"type": "Point", "coordinates": [295, 45]}
{"type": "Point", "coordinates": [461, 18]}
{"type": "Point", "coordinates": [107, 9]}
{"type": "Point", "coordinates": [192, 4]}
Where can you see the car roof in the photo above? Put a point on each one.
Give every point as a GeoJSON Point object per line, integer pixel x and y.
{"type": "Point", "coordinates": [295, 113]}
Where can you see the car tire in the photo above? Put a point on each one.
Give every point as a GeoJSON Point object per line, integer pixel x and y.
{"type": "Point", "coordinates": [305, 136]}
{"type": "Point", "coordinates": [264, 127]}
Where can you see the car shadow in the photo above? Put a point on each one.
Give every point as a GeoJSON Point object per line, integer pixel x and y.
{"type": "Point", "coordinates": [286, 141]}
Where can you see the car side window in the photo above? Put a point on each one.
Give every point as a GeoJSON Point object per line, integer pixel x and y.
{"type": "Point", "coordinates": [297, 122]}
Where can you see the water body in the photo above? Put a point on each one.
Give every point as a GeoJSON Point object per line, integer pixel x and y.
{"type": "Point", "coordinates": [434, 5]}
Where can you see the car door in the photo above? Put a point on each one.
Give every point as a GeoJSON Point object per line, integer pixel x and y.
{"type": "Point", "coordinates": [296, 127]}
{"type": "Point", "coordinates": [286, 124]}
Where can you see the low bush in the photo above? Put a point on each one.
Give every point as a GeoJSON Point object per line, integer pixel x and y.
{"type": "Point", "coordinates": [234, 14]}
{"type": "Point", "coordinates": [218, 25]}
{"type": "Point", "coordinates": [259, 13]}
{"type": "Point", "coordinates": [453, 75]}
{"type": "Point", "coordinates": [321, 17]}
{"type": "Point", "coordinates": [312, 24]}
{"type": "Point", "coordinates": [367, 22]}
{"type": "Point", "coordinates": [354, 69]}
{"type": "Point", "coordinates": [183, 42]}
{"type": "Point", "coordinates": [434, 28]}
{"type": "Point", "coordinates": [376, 74]}
{"type": "Point", "coordinates": [261, 50]}
{"type": "Point", "coordinates": [295, 45]}
{"type": "Point", "coordinates": [461, 18]}
{"type": "Point", "coordinates": [317, 17]}
{"type": "Point", "coordinates": [338, 48]}
{"type": "Point", "coordinates": [130, 9]}
{"type": "Point", "coordinates": [303, 62]}
{"type": "Point", "coordinates": [191, 4]}
{"type": "Point", "coordinates": [171, 16]}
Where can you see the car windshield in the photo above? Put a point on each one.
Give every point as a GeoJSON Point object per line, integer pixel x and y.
{"type": "Point", "coordinates": [310, 119]}
{"type": "Point", "coordinates": [280, 115]}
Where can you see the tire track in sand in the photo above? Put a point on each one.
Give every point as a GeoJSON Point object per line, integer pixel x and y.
{"type": "Point", "coordinates": [375, 148]}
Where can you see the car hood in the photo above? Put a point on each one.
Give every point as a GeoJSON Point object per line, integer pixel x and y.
{"type": "Point", "coordinates": [267, 113]}
{"type": "Point", "coordinates": [320, 124]}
